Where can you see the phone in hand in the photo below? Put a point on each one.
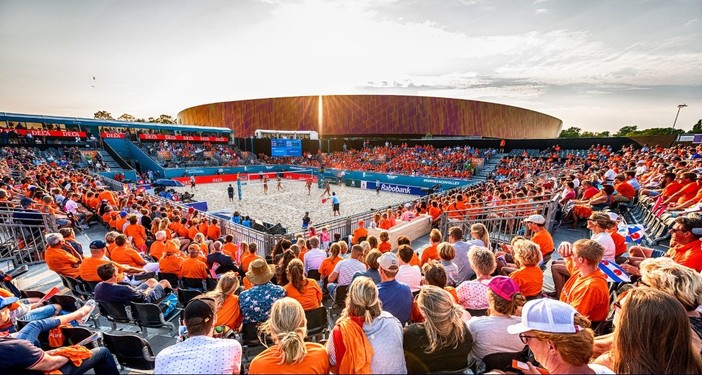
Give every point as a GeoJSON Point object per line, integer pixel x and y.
{"type": "Point", "coordinates": [520, 365]}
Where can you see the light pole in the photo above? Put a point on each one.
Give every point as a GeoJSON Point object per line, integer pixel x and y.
{"type": "Point", "coordinates": [680, 106]}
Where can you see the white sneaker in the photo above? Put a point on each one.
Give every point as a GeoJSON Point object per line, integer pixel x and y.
{"type": "Point", "coordinates": [91, 303]}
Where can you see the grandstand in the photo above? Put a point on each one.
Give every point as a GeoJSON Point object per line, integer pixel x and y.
{"type": "Point", "coordinates": [519, 192]}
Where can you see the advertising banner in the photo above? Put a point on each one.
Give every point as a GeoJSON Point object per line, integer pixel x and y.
{"type": "Point", "coordinates": [48, 133]}
{"type": "Point", "coordinates": [181, 138]}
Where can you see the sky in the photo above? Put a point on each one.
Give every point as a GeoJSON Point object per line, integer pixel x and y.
{"type": "Point", "coordinates": [596, 65]}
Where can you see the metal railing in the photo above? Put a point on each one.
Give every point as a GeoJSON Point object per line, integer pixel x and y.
{"type": "Point", "coordinates": [22, 235]}
{"type": "Point", "coordinates": [504, 221]}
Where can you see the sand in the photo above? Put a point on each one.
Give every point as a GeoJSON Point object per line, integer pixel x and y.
{"type": "Point", "coordinates": [289, 205]}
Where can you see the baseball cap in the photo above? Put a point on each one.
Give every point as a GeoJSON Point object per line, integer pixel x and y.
{"type": "Point", "coordinates": [123, 213]}
{"type": "Point", "coordinates": [98, 244]}
{"type": "Point", "coordinates": [536, 219]}
{"type": "Point", "coordinates": [7, 301]}
{"type": "Point", "coordinates": [546, 315]}
{"type": "Point", "coordinates": [199, 311]}
{"type": "Point", "coordinates": [389, 261]}
{"type": "Point", "coordinates": [504, 287]}
{"type": "Point", "coordinates": [26, 201]}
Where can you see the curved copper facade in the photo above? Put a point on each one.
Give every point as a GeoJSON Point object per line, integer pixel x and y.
{"type": "Point", "coordinates": [363, 115]}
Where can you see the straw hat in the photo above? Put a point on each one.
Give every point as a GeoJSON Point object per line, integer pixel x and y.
{"type": "Point", "coordinates": [259, 272]}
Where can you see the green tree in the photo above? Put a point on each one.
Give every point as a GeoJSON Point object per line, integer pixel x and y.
{"type": "Point", "coordinates": [603, 134]}
{"type": "Point", "coordinates": [163, 119]}
{"type": "Point", "coordinates": [588, 134]}
{"type": "Point", "coordinates": [625, 130]}
{"type": "Point", "coordinates": [656, 131]}
{"type": "Point", "coordinates": [126, 117]}
{"type": "Point", "coordinates": [103, 115]}
{"type": "Point", "coordinates": [697, 128]}
{"type": "Point", "coordinates": [571, 132]}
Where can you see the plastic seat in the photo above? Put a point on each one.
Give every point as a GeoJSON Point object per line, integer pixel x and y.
{"type": "Point", "coordinates": [68, 303]}
{"type": "Point", "coordinates": [185, 295]}
{"type": "Point", "coordinates": [314, 274]}
{"type": "Point", "coordinates": [32, 294]}
{"type": "Point", "coordinates": [74, 335]}
{"type": "Point", "coordinates": [116, 313]}
{"type": "Point", "coordinates": [130, 350]}
{"type": "Point", "coordinates": [200, 284]}
{"type": "Point", "coordinates": [149, 315]}
{"type": "Point", "coordinates": [503, 361]}
{"type": "Point", "coordinates": [317, 322]}
{"type": "Point", "coordinates": [77, 287]}
{"type": "Point", "coordinates": [171, 277]}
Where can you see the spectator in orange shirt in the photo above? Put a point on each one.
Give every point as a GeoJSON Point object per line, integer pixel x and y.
{"type": "Point", "coordinates": [202, 244]}
{"type": "Point", "coordinates": [121, 221]}
{"type": "Point", "coordinates": [227, 302]}
{"type": "Point", "coordinates": [304, 290]}
{"type": "Point", "coordinates": [384, 246]}
{"type": "Point", "coordinates": [328, 264]}
{"type": "Point", "coordinates": [384, 222]}
{"type": "Point", "coordinates": [586, 290]}
{"type": "Point", "coordinates": [529, 276]}
{"type": "Point", "coordinates": [158, 248]}
{"type": "Point", "coordinates": [359, 234]}
{"type": "Point", "coordinates": [193, 267]}
{"type": "Point", "coordinates": [687, 192]}
{"type": "Point", "coordinates": [171, 262]}
{"type": "Point", "coordinates": [88, 269]}
{"type": "Point", "coordinates": [213, 231]}
{"type": "Point", "coordinates": [432, 253]}
{"type": "Point", "coordinates": [248, 254]}
{"type": "Point", "coordinates": [192, 231]}
{"type": "Point", "coordinates": [435, 212]}
{"type": "Point", "coordinates": [230, 248]}
{"type": "Point", "coordinates": [125, 255]}
{"type": "Point", "coordinates": [60, 260]}
{"type": "Point", "coordinates": [625, 192]}
{"type": "Point", "coordinates": [404, 240]}
{"type": "Point", "coordinates": [137, 232]}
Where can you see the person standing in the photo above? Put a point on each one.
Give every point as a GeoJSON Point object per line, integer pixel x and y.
{"type": "Point", "coordinates": [280, 185]}
{"type": "Point", "coordinates": [230, 193]}
{"type": "Point", "coordinates": [326, 188]}
{"type": "Point", "coordinates": [377, 187]}
{"type": "Point", "coordinates": [306, 220]}
{"type": "Point", "coordinates": [265, 185]}
{"type": "Point", "coordinates": [335, 203]}
{"type": "Point", "coordinates": [192, 182]}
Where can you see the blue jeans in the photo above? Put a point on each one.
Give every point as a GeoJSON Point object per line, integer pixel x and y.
{"type": "Point", "coordinates": [101, 361]}
{"type": "Point", "coordinates": [43, 312]}
{"type": "Point", "coordinates": [33, 329]}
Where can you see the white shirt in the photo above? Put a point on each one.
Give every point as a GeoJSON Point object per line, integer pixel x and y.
{"type": "Point", "coordinates": [314, 258]}
{"type": "Point", "coordinates": [200, 355]}
{"type": "Point", "coordinates": [605, 239]}
{"type": "Point", "coordinates": [410, 275]}
{"type": "Point", "coordinates": [610, 175]}
{"type": "Point", "coordinates": [71, 206]}
{"type": "Point", "coordinates": [346, 268]}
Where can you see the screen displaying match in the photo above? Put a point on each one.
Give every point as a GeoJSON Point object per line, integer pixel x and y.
{"type": "Point", "coordinates": [286, 147]}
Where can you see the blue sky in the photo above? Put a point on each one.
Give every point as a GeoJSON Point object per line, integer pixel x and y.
{"type": "Point", "coordinates": [597, 65]}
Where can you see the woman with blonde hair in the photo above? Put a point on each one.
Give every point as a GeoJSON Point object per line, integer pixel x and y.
{"type": "Point", "coordinates": [652, 335]}
{"type": "Point", "coordinates": [479, 232]}
{"type": "Point", "coordinates": [227, 302]}
{"type": "Point", "coordinates": [442, 342]}
{"type": "Point", "coordinates": [366, 339]}
{"type": "Point", "coordinates": [529, 276]}
{"type": "Point", "coordinates": [304, 290]}
{"type": "Point", "coordinates": [290, 354]}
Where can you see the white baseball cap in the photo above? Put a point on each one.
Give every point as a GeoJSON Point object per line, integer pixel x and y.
{"type": "Point", "coordinates": [536, 219]}
{"type": "Point", "coordinates": [546, 315]}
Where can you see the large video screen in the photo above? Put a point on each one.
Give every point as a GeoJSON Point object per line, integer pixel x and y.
{"type": "Point", "coordinates": [286, 147]}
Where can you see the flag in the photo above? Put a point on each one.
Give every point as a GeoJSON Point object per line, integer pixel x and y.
{"type": "Point", "coordinates": [615, 274]}
{"type": "Point", "coordinates": [324, 200]}
{"type": "Point", "coordinates": [632, 233]}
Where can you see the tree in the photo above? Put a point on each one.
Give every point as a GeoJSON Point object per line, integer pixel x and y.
{"type": "Point", "coordinates": [697, 128]}
{"type": "Point", "coordinates": [625, 130]}
{"type": "Point", "coordinates": [656, 131]}
{"type": "Point", "coordinates": [103, 115]}
{"type": "Point", "coordinates": [163, 119]}
{"type": "Point", "coordinates": [571, 132]}
{"type": "Point", "coordinates": [587, 134]}
{"type": "Point", "coordinates": [126, 117]}
{"type": "Point", "coordinates": [603, 134]}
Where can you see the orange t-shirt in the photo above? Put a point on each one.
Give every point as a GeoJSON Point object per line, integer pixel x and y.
{"type": "Point", "coordinates": [358, 233]}
{"type": "Point", "coordinates": [434, 212]}
{"type": "Point", "coordinates": [193, 268]}
{"type": "Point", "coordinates": [229, 313]}
{"type": "Point", "coordinates": [231, 249]}
{"type": "Point", "coordinates": [311, 296]}
{"type": "Point", "coordinates": [415, 260]}
{"type": "Point", "coordinates": [327, 267]}
{"type": "Point", "coordinates": [430, 253]}
{"type": "Point", "coordinates": [110, 197]}
{"type": "Point", "coordinates": [529, 279]}
{"type": "Point", "coordinates": [689, 255]}
{"type": "Point", "coordinates": [137, 232]}
{"type": "Point", "coordinates": [625, 189]}
{"type": "Point", "coordinates": [544, 240]}
{"type": "Point", "coordinates": [119, 224]}
{"type": "Point", "coordinates": [589, 294]}
{"type": "Point", "coordinates": [192, 232]}
{"type": "Point", "coordinates": [688, 192]}
{"type": "Point", "coordinates": [88, 269]}
{"type": "Point", "coordinates": [384, 247]}
{"type": "Point", "coordinates": [214, 232]}
{"type": "Point", "coordinates": [246, 259]}
{"type": "Point", "coordinates": [127, 256]}
{"type": "Point", "coordinates": [61, 262]}
{"type": "Point", "coordinates": [170, 264]}
{"type": "Point", "coordinates": [385, 224]}
{"type": "Point", "coordinates": [315, 362]}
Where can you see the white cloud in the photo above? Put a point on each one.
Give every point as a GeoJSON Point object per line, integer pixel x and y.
{"type": "Point", "coordinates": [540, 11]}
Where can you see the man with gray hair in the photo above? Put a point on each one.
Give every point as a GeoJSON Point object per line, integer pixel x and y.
{"type": "Point", "coordinates": [315, 256]}
{"type": "Point", "coordinates": [61, 259]}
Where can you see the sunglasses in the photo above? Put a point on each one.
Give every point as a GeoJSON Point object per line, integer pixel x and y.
{"type": "Point", "coordinates": [525, 338]}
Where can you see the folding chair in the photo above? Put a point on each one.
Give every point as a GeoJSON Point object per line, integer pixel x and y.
{"type": "Point", "coordinates": [317, 323]}
{"type": "Point", "coordinates": [131, 351]}
{"type": "Point", "coordinates": [74, 335]}
{"type": "Point", "coordinates": [185, 295]}
{"type": "Point", "coordinates": [116, 313]}
{"type": "Point", "coordinates": [171, 277]}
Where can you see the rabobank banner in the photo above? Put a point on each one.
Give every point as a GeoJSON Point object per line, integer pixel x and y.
{"type": "Point", "coordinates": [393, 188]}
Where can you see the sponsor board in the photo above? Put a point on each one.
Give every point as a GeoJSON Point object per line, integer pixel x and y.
{"type": "Point", "coordinates": [47, 133]}
{"type": "Point", "coordinates": [393, 188]}
{"type": "Point", "coordinates": [181, 138]}
{"type": "Point", "coordinates": [112, 135]}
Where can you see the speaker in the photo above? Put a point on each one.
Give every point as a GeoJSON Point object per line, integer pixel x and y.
{"type": "Point", "coordinates": [277, 229]}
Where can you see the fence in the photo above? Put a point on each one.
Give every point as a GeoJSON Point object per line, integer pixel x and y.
{"type": "Point", "coordinates": [503, 221]}
{"type": "Point", "coordinates": [22, 235]}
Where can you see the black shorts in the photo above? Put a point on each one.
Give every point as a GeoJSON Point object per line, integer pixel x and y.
{"type": "Point", "coordinates": [336, 207]}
